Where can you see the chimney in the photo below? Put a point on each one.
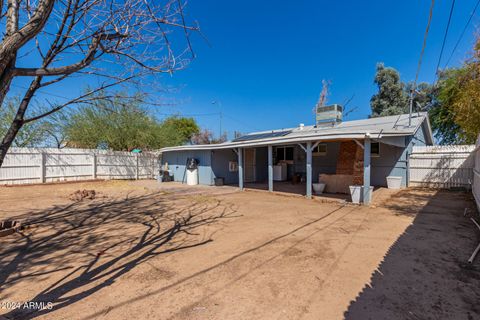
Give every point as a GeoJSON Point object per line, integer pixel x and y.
{"type": "Point", "coordinates": [300, 126]}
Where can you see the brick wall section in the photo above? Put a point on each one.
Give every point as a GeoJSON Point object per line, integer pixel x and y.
{"type": "Point", "coordinates": [358, 166]}
{"type": "Point", "coordinates": [346, 157]}
{"type": "Point", "coordinates": [350, 161]}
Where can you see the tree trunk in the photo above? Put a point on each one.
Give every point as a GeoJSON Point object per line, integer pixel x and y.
{"type": "Point", "coordinates": [9, 138]}
{"type": "Point", "coordinates": [5, 80]}
{"type": "Point", "coordinates": [18, 122]}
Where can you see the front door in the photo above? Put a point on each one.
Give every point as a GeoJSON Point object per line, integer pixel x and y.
{"type": "Point", "coordinates": [249, 165]}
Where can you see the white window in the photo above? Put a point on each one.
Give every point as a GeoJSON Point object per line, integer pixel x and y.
{"type": "Point", "coordinates": [375, 149]}
{"type": "Point", "coordinates": [320, 150]}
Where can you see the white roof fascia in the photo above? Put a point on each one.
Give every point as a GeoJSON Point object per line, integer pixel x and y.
{"type": "Point", "coordinates": [283, 140]}
{"type": "Point", "coordinates": [305, 136]}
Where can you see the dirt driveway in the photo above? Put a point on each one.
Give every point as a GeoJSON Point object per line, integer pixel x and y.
{"type": "Point", "coordinates": [144, 251]}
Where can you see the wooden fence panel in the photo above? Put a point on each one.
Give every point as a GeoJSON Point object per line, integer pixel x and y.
{"type": "Point", "coordinates": [442, 166]}
{"type": "Point", "coordinates": [38, 165]}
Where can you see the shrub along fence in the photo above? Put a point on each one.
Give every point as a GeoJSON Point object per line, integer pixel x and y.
{"type": "Point", "coordinates": [40, 165]}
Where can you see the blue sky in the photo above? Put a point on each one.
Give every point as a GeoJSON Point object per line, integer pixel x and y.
{"type": "Point", "coordinates": [267, 58]}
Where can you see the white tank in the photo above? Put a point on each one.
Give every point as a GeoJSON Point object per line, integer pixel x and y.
{"type": "Point", "coordinates": [192, 177]}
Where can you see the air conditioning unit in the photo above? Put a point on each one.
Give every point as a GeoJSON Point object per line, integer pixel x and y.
{"type": "Point", "coordinates": [328, 115]}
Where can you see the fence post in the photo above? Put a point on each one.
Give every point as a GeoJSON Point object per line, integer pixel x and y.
{"type": "Point", "coordinates": [136, 166]}
{"type": "Point", "coordinates": [94, 166]}
{"type": "Point", "coordinates": [42, 167]}
{"type": "Point", "coordinates": [407, 183]}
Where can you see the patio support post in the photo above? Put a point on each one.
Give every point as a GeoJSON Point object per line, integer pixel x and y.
{"type": "Point", "coordinates": [240, 168]}
{"type": "Point", "coordinates": [309, 170]}
{"type": "Point", "coordinates": [366, 171]}
{"type": "Point", "coordinates": [270, 168]}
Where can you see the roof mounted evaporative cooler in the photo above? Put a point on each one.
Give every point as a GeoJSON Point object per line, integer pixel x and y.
{"type": "Point", "coordinates": [328, 115]}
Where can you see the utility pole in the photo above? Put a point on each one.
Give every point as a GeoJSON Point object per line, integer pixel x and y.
{"type": "Point", "coordinates": [410, 106]}
{"type": "Point", "coordinates": [410, 109]}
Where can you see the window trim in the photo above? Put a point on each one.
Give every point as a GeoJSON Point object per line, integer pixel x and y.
{"type": "Point", "coordinates": [318, 153]}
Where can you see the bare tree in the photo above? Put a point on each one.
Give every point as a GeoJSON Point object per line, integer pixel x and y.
{"type": "Point", "coordinates": [102, 43]}
{"type": "Point", "coordinates": [322, 100]}
{"type": "Point", "coordinates": [206, 137]}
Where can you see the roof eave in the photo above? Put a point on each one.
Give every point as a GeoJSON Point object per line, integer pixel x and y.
{"type": "Point", "coordinates": [286, 140]}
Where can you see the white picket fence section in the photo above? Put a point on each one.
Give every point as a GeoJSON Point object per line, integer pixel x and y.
{"type": "Point", "coordinates": [476, 174]}
{"type": "Point", "coordinates": [442, 166]}
{"type": "Point", "coordinates": [40, 165]}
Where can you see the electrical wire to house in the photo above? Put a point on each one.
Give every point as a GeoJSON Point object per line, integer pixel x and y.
{"type": "Point", "coordinates": [419, 65]}
{"type": "Point", "coordinates": [445, 38]}
{"type": "Point", "coordinates": [462, 34]}
{"type": "Point", "coordinates": [220, 114]}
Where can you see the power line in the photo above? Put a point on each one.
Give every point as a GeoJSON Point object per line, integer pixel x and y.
{"type": "Point", "coordinates": [424, 43]}
{"type": "Point", "coordinates": [420, 61]}
{"type": "Point", "coordinates": [445, 37]}
{"type": "Point", "coordinates": [146, 102]}
{"type": "Point", "coordinates": [41, 91]}
{"type": "Point", "coordinates": [189, 114]}
{"type": "Point", "coordinates": [210, 114]}
{"type": "Point", "coordinates": [241, 122]}
{"type": "Point", "coordinates": [163, 114]}
{"type": "Point", "coordinates": [463, 33]}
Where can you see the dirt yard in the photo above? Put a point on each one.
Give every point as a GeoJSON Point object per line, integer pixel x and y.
{"type": "Point", "coordinates": [139, 250]}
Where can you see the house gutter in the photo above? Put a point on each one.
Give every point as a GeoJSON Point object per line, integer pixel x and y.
{"type": "Point", "coordinates": [284, 140]}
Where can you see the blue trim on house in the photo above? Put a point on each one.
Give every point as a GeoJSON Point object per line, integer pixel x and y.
{"type": "Point", "coordinates": [177, 161]}
{"type": "Point", "coordinates": [220, 165]}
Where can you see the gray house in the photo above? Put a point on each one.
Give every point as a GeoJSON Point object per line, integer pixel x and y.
{"type": "Point", "coordinates": [360, 152]}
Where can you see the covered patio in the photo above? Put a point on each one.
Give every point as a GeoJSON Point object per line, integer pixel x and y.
{"type": "Point", "coordinates": [287, 188]}
{"type": "Point", "coordinates": [304, 164]}
{"type": "Point", "coordinates": [337, 155]}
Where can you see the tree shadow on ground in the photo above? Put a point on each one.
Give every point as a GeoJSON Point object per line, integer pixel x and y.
{"type": "Point", "coordinates": [91, 244]}
{"type": "Point", "coordinates": [425, 274]}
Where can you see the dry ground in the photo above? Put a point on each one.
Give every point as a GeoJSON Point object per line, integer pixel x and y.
{"type": "Point", "coordinates": [141, 251]}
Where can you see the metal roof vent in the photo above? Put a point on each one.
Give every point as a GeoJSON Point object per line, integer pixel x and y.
{"type": "Point", "coordinates": [328, 115]}
{"type": "Point", "coordinates": [301, 126]}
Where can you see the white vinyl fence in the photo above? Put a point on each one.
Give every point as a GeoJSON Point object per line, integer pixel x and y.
{"type": "Point", "coordinates": [442, 166]}
{"type": "Point", "coordinates": [476, 175]}
{"type": "Point", "coordinates": [40, 165]}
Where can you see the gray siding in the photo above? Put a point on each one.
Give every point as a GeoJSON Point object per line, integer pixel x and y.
{"type": "Point", "coordinates": [419, 139]}
{"type": "Point", "coordinates": [327, 163]}
{"type": "Point", "coordinates": [320, 163]}
{"type": "Point", "coordinates": [177, 160]}
{"type": "Point", "coordinates": [220, 163]}
{"type": "Point", "coordinates": [391, 162]}
{"type": "Point", "coordinates": [215, 163]}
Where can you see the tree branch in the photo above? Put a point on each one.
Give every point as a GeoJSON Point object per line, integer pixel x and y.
{"type": "Point", "coordinates": [12, 17]}
{"type": "Point", "coordinates": [66, 70]}
{"type": "Point", "coordinates": [15, 41]}
{"type": "Point", "coordinates": [79, 99]}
